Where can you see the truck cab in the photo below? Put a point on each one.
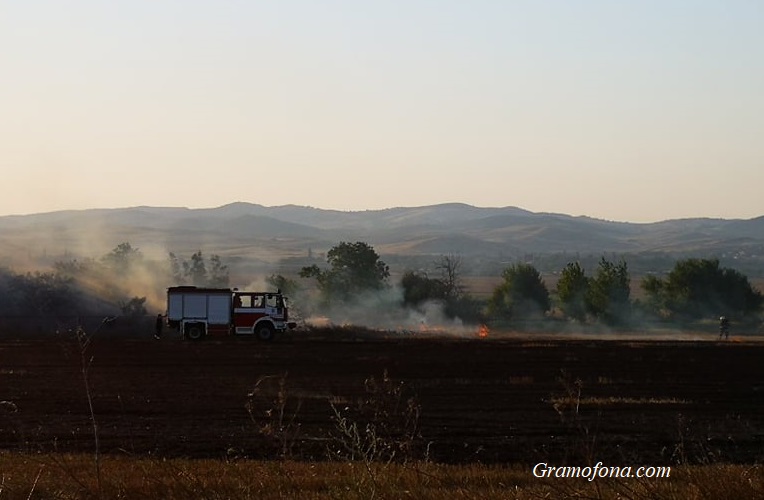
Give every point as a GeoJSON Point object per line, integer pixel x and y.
{"type": "Point", "coordinates": [260, 313]}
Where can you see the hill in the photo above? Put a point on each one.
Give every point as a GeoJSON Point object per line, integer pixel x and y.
{"type": "Point", "coordinates": [247, 231]}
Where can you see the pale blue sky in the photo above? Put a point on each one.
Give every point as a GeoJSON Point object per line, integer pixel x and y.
{"type": "Point", "coordinates": [633, 111]}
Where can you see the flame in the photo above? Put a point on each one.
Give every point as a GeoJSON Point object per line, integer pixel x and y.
{"type": "Point", "coordinates": [482, 332]}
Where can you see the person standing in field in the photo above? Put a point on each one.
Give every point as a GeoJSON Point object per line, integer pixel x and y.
{"type": "Point", "coordinates": [724, 327]}
{"type": "Point", "coordinates": [158, 327]}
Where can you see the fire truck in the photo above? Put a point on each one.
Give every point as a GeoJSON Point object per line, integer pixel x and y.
{"type": "Point", "coordinates": [197, 312]}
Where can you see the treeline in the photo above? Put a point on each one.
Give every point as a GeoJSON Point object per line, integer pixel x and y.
{"type": "Point", "coordinates": [694, 289]}
{"type": "Point", "coordinates": [125, 282]}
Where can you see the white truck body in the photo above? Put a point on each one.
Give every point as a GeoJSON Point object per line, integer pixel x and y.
{"type": "Point", "coordinates": [215, 308]}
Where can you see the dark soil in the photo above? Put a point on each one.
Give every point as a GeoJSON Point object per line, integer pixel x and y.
{"type": "Point", "coordinates": [493, 401]}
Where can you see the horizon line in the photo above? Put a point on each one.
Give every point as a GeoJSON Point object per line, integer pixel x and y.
{"type": "Point", "coordinates": [351, 211]}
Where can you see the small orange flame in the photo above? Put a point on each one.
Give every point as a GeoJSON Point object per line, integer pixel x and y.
{"type": "Point", "coordinates": [482, 332]}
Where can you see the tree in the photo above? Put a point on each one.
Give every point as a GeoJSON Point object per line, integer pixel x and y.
{"type": "Point", "coordinates": [176, 270]}
{"type": "Point", "coordinates": [696, 288]}
{"type": "Point", "coordinates": [196, 270]}
{"type": "Point", "coordinates": [655, 295]}
{"type": "Point", "coordinates": [39, 293]}
{"type": "Point", "coordinates": [571, 291]}
{"type": "Point", "coordinates": [523, 293]}
{"type": "Point", "coordinates": [450, 267]}
{"type": "Point", "coordinates": [418, 288]}
{"type": "Point", "coordinates": [121, 259]}
{"type": "Point", "coordinates": [609, 291]}
{"type": "Point", "coordinates": [287, 286]}
{"type": "Point", "coordinates": [218, 275]}
{"type": "Point", "coordinates": [133, 308]}
{"type": "Point", "coordinates": [75, 268]}
{"type": "Point", "coordinates": [354, 268]}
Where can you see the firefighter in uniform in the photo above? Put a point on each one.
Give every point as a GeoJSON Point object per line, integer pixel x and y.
{"type": "Point", "coordinates": [158, 327]}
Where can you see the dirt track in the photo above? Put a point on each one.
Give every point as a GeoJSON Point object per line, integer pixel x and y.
{"type": "Point", "coordinates": [481, 400]}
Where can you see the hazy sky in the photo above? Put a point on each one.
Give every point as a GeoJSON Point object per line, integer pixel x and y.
{"type": "Point", "coordinates": [632, 111]}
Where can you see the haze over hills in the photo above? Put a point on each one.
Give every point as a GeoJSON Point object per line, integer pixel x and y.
{"type": "Point", "coordinates": [251, 231]}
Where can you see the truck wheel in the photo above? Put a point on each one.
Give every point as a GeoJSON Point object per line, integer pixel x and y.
{"type": "Point", "coordinates": [195, 332]}
{"type": "Point", "coordinates": [265, 332]}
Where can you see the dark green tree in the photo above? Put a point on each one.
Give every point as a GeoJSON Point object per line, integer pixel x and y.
{"type": "Point", "coordinates": [354, 268]}
{"type": "Point", "coordinates": [656, 298]}
{"type": "Point", "coordinates": [523, 294]}
{"type": "Point", "coordinates": [287, 286]}
{"type": "Point", "coordinates": [697, 288]}
{"type": "Point", "coordinates": [571, 291]}
{"type": "Point", "coordinates": [419, 288]}
{"type": "Point", "coordinates": [609, 291]}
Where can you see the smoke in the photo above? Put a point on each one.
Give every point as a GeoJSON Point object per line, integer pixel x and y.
{"type": "Point", "coordinates": [259, 284]}
{"type": "Point", "coordinates": [148, 281]}
{"type": "Point", "coordinates": [104, 290]}
{"type": "Point", "coordinates": [379, 310]}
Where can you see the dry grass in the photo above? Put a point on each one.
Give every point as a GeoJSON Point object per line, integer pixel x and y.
{"type": "Point", "coordinates": [72, 476]}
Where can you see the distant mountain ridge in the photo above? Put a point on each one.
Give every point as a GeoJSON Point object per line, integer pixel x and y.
{"type": "Point", "coordinates": [245, 228]}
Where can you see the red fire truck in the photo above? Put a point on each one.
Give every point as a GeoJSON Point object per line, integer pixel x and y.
{"type": "Point", "coordinates": [199, 312]}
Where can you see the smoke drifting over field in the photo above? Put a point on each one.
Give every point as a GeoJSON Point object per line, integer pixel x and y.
{"type": "Point", "coordinates": [127, 280]}
{"type": "Point", "coordinates": [380, 310]}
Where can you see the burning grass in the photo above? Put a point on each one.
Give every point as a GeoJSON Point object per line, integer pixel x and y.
{"type": "Point", "coordinates": [541, 335]}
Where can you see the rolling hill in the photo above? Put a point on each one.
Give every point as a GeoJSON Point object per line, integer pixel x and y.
{"type": "Point", "coordinates": [252, 231]}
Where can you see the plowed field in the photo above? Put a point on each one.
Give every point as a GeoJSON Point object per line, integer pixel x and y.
{"type": "Point", "coordinates": [510, 400]}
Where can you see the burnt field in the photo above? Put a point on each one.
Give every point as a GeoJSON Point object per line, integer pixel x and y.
{"type": "Point", "coordinates": [510, 400]}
